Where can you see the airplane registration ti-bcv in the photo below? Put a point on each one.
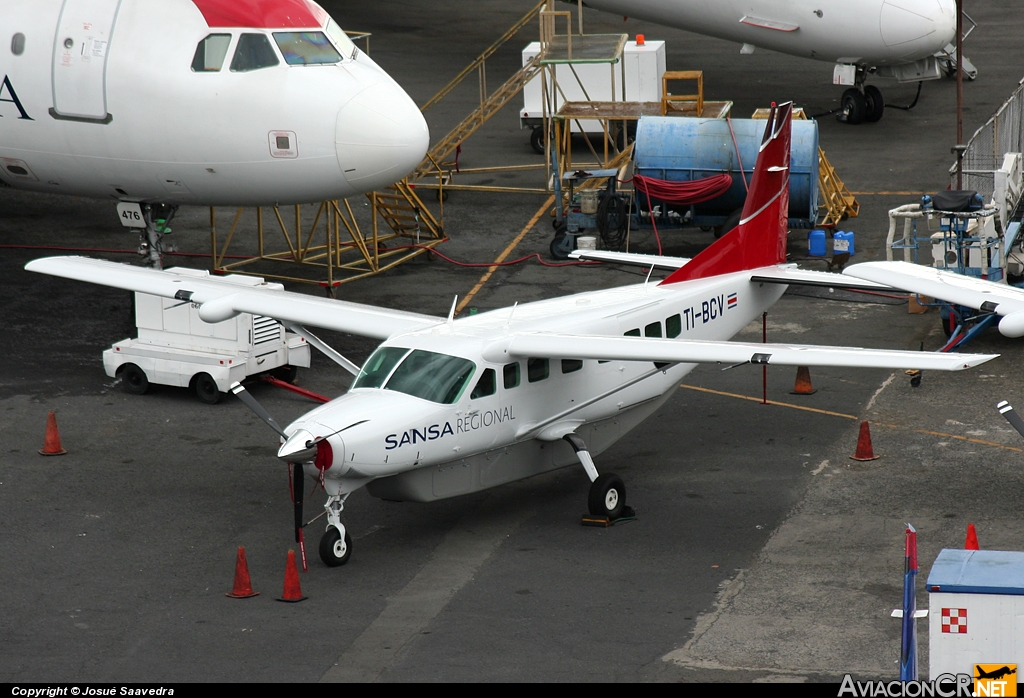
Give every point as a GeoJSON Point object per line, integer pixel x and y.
{"type": "Point", "coordinates": [448, 406]}
{"type": "Point", "coordinates": [205, 102]}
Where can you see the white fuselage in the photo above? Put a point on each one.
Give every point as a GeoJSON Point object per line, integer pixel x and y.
{"type": "Point", "coordinates": [404, 434]}
{"type": "Point", "coordinates": [864, 32]}
{"type": "Point", "coordinates": [122, 114]}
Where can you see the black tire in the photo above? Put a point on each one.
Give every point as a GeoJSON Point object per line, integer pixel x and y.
{"type": "Point", "coordinates": [537, 139]}
{"type": "Point", "coordinates": [731, 222]}
{"type": "Point", "coordinates": [285, 373]}
{"type": "Point", "coordinates": [853, 106]}
{"type": "Point", "coordinates": [875, 104]}
{"type": "Point", "coordinates": [206, 388]}
{"type": "Point", "coordinates": [333, 551]}
{"type": "Point", "coordinates": [607, 496]}
{"type": "Point", "coordinates": [442, 194]}
{"type": "Point", "coordinates": [560, 247]}
{"type": "Point", "coordinates": [134, 379]}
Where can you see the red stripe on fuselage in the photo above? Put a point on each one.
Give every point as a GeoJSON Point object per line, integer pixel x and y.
{"type": "Point", "coordinates": [262, 14]}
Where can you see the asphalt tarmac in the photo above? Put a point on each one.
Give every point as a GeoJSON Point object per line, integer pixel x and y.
{"type": "Point", "coordinates": [760, 551]}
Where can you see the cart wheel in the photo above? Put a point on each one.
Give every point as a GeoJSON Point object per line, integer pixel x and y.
{"type": "Point", "coordinates": [285, 373]}
{"type": "Point", "coordinates": [206, 388]}
{"type": "Point", "coordinates": [537, 139]}
{"type": "Point", "coordinates": [562, 245]}
{"type": "Point", "coordinates": [442, 195]}
{"type": "Point", "coordinates": [133, 379]}
{"type": "Point", "coordinates": [731, 222]}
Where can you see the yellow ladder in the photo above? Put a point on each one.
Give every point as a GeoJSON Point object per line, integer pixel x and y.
{"type": "Point", "coordinates": [405, 213]}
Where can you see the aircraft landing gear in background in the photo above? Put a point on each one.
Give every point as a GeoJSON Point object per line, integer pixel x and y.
{"type": "Point", "coordinates": [607, 496]}
{"type": "Point", "coordinates": [151, 244]}
{"type": "Point", "coordinates": [859, 106]}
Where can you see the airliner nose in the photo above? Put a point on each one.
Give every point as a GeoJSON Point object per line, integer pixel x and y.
{"type": "Point", "coordinates": [920, 27]}
{"type": "Point", "coordinates": [381, 136]}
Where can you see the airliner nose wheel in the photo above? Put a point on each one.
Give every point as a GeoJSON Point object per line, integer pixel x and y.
{"type": "Point", "coordinates": [607, 496]}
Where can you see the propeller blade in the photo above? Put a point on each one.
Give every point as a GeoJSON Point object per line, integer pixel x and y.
{"type": "Point", "coordinates": [1006, 409]}
{"type": "Point", "coordinates": [297, 497]}
{"type": "Point", "coordinates": [239, 390]}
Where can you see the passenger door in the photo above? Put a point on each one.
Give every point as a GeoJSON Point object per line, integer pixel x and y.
{"type": "Point", "coordinates": [80, 51]}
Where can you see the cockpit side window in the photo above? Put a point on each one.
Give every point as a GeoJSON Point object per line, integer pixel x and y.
{"type": "Point", "coordinates": [210, 53]}
{"type": "Point", "coordinates": [252, 53]}
{"type": "Point", "coordinates": [306, 48]}
{"type": "Point", "coordinates": [487, 385]}
{"type": "Point", "coordinates": [432, 376]}
{"type": "Point", "coordinates": [378, 367]}
{"type": "Point", "coordinates": [341, 40]}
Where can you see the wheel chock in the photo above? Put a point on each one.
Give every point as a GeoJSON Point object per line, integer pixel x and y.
{"type": "Point", "coordinates": [628, 514]}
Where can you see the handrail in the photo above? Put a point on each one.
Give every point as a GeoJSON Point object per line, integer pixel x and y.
{"type": "Point", "coordinates": [489, 51]}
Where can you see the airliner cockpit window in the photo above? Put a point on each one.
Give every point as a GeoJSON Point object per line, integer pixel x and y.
{"type": "Point", "coordinates": [252, 53]}
{"type": "Point", "coordinates": [341, 40]}
{"type": "Point", "coordinates": [431, 376]}
{"type": "Point", "coordinates": [306, 48]}
{"type": "Point", "coordinates": [210, 53]}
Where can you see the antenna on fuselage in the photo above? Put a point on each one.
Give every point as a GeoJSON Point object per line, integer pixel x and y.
{"type": "Point", "coordinates": [508, 323]}
{"type": "Point", "coordinates": [451, 313]}
{"type": "Point", "coordinates": [649, 272]}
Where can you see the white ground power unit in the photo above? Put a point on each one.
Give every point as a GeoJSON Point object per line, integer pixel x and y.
{"type": "Point", "coordinates": [976, 615]}
{"type": "Point", "coordinates": [176, 347]}
{"type": "Point", "coordinates": [637, 79]}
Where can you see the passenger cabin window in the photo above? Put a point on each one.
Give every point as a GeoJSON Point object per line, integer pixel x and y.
{"type": "Point", "coordinates": [18, 44]}
{"type": "Point", "coordinates": [537, 370]}
{"type": "Point", "coordinates": [652, 330]}
{"type": "Point", "coordinates": [306, 48]}
{"type": "Point", "coordinates": [571, 365]}
{"type": "Point", "coordinates": [510, 375]}
{"type": "Point", "coordinates": [210, 53]}
{"type": "Point", "coordinates": [673, 326]}
{"type": "Point", "coordinates": [633, 333]}
{"type": "Point", "coordinates": [487, 385]}
{"type": "Point", "coordinates": [431, 376]}
{"type": "Point", "coordinates": [341, 40]}
{"type": "Point", "coordinates": [252, 53]}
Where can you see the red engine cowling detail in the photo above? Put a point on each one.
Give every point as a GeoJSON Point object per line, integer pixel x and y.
{"type": "Point", "coordinates": [324, 455]}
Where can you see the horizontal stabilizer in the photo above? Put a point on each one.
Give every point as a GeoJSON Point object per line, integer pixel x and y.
{"type": "Point", "coordinates": [631, 258]}
{"type": "Point", "coordinates": [222, 298]}
{"type": "Point", "coordinates": [792, 276]}
{"type": "Point", "coordinates": [603, 348]}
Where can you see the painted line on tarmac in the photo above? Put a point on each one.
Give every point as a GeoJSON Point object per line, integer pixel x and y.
{"type": "Point", "coordinates": [452, 565]}
{"type": "Point", "coordinates": [842, 415]}
{"type": "Point", "coordinates": [508, 250]}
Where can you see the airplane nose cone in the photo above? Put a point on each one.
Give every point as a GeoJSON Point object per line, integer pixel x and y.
{"type": "Point", "coordinates": [381, 136]}
{"type": "Point", "coordinates": [919, 26]}
{"type": "Point", "coordinates": [298, 448]}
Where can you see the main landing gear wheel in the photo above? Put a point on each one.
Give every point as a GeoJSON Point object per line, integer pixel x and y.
{"type": "Point", "coordinates": [875, 103]}
{"type": "Point", "coordinates": [206, 389]}
{"type": "Point", "coordinates": [853, 107]}
{"type": "Point", "coordinates": [134, 379]}
{"type": "Point", "coordinates": [607, 496]}
{"type": "Point", "coordinates": [335, 550]}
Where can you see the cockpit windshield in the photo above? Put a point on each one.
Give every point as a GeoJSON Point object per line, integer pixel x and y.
{"type": "Point", "coordinates": [431, 376]}
{"type": "Point", "coordinates": [378, 367]}
{"type": "Point", "coordinates": [306, 48]}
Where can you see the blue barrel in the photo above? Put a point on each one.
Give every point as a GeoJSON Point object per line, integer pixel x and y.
{"type": "Point", "coordinates": [680, 149]}
{"type": "Point", "coordinates": [842, 241]}
{"type": "Point", "coordinates": [816, 246]}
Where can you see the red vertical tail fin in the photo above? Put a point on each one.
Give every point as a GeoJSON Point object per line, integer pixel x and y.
{"type": "Point", "coordinates": [760, 238]}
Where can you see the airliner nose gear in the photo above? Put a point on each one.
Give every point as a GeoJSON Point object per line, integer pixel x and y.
{"type": "Point", "coordinates": [151, 243]}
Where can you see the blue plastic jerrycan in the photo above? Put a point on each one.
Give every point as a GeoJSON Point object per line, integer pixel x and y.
{"type": "Point", "coordinates": [842, 242]}
{"type": "Point", "coordinates": [816, 246]}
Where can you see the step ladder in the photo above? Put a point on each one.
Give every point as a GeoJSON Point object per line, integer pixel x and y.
{"type": "Point", "coordinates": [405, 213]}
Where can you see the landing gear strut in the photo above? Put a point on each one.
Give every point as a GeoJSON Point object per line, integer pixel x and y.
{"type": "Point", "coordinates": [151, 242]}
{"type": "Point", "coordinates": [336, 544]}
{"type": "Point", "coordinates": [607, 492]}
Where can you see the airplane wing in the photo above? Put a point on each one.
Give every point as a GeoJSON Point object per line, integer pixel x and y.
{"type": "Point", "coordinates": [792, 276]}
{"type": "Point", "coordinates": [632, 258]}
{"type": "Point", "coordinates": [220, 299]}
{"type": "Point", "coordinates": [569, 346]}
{"type": "Point", "coordinates": [1006, 301]}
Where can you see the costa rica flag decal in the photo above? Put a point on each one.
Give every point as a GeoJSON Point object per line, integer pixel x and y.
{"type": "Point", "coordinates": [731, 301]}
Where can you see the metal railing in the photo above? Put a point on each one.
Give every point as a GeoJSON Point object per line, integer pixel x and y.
{"type": "Point", "coordinates": [1001, 134]}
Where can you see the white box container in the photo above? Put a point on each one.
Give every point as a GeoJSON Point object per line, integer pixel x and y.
{"type": "Point", "coordinates": [637, 79]}
{"type": "Point", "coordinates": [976, 611]}
{"type": "Point", "coordinates": [175, 346]}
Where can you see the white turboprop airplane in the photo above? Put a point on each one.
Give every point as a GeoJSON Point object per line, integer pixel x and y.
{"type": "Point", "coordinates": [906, 39]}
{"type": "Point", "coordinates": [449, 406]}
{"type": "Point", "coordinates": [205, 102]}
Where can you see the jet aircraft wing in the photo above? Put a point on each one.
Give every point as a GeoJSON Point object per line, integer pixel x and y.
{"type": "Point", "coordinates": [220, 299]}
{"type": "Point", "coordinates": [569, 346]}
{"type": "Point", "coordinates": [945, 285]}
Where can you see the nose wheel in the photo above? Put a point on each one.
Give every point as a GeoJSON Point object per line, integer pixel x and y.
{"type": "Point", "coordinates": [335, 549]}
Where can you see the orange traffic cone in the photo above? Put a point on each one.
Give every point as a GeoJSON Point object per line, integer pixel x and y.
{"type": "Point", "coordinates": [243, 587]}
{"type": "Point", "coordinates": [292, 588]}
{"type": "Point", "coordinates": [972, 538]}
{"type": "Point", "coordinates": [864, 451]}
{"type": "Point", "coordinates": [803, 382]}
{"type": "Point", "coordinates": [51, 446]}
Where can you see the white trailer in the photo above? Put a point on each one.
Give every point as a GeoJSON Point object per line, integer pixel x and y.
{"type": "Point", "coordinates": [637, 79]}
{"type": "Point", "coordinates": [176, 347]}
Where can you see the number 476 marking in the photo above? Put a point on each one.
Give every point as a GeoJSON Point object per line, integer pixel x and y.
{"type": "Point", "coordinates": [131, 215]}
